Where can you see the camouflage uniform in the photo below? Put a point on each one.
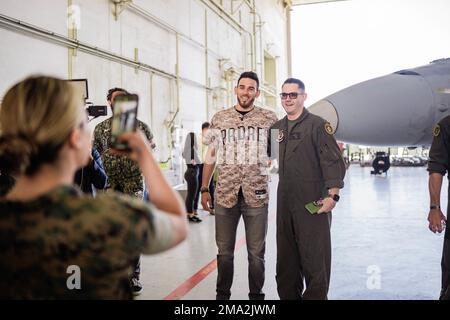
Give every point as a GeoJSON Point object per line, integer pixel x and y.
{"type": "Point", "coordinates": [240, 141]}
{"type": "Point", "coordinates": [123, 173]}
{"type": "Point", "coordinates": [41, 238]}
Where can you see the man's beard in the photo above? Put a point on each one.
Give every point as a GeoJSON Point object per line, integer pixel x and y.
{"type": "Point", "coordinates": [247, 104]}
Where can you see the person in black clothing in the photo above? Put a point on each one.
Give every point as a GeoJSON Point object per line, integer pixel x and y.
{"type": "Point", "coordinates": [92, 176]}
{"type": "Point", "coordinates": [190, 155]}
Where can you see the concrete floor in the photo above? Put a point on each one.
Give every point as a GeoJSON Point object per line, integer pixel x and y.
{"type": "Point", "coordinates": [382, 248]}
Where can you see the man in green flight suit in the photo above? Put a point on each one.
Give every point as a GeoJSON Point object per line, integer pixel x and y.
{"type": "Point", "coordinates": [310, 168]}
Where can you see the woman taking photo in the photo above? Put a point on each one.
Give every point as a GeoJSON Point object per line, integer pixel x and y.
{"type": "Point", "coordinates": [55, 242]}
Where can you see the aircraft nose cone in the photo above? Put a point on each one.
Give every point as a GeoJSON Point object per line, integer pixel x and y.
{"type": "Point", "coordinates": [358, 112]}
{"type": "Point", "coordinates": [326, 110]}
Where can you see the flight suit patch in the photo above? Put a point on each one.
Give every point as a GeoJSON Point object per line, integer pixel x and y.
{"type": "Point", "coordinates": [280, 137]}
{"type": "Point", "coordinates": [261, 194]}
{"type": "Point", "coordinates": [295, 136]}
{"type": "Point", "coordinates": [329, 128]}
{"type": "Point", "coordinates": [436, 130]}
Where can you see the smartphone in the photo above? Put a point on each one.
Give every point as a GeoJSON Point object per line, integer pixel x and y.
{"type": "Point", "coordinates": [124, 119]}
{"type": "Point", "coordinates": [314, 206]}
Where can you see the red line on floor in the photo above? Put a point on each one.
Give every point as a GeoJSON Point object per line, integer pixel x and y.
{"type": "Point", "coordinates": [190, 283]}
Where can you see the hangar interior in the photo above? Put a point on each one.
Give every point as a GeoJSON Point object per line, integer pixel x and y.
{"type": "Point", "coordinates": [183, 57]}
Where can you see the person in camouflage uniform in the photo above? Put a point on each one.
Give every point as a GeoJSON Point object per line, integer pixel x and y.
{"type": "Point", "coordinates": [123, 173]}
{"type": "Point", "coordinates": [55, 242]}
{"type": "Point", "coordinates": [65, 228]}
{"type": "Point", "coordinates": [237, 141]}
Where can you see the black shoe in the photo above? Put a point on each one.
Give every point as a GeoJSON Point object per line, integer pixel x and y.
{"type": "Point", "coordinates": [194, 219]}
{"type": "Point", "coordinates": [136, 286]}
{"type": "Point", "coordinates": [256, 296]}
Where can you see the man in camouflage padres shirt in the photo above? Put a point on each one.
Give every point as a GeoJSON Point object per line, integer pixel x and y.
{"type": "Point", "coordinates": [237, 142]}
{"type": "Point", "coordinates": [123, 173]}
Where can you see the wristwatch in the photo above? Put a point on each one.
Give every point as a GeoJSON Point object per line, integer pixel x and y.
{"type": "Point", "coordinates": [204, 189]}
{"type": "Point", "coordinates": [335, 197]}
{"type": "Point", "coordinates": [435, 206]}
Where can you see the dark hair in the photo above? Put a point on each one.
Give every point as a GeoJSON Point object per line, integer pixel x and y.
{"type": "Point", "coordinates": [298, 82]}
{"type": "Point", "coordinates": [249, 75]}
{"type": "Point", "coordinates": [205, 125]}
{"type": "Point", "coordinates": [112, 90]}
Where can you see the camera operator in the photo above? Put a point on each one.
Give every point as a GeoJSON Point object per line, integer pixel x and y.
{"type": "Point", "coordinates": [123, 173]}
{"type": "Point", "coordinates": [48, 226]}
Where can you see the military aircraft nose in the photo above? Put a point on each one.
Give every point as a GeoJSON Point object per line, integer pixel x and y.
{"type": "Point", "coordinates": [385, 111]}
{"type": "Point", "coordinates": [326, 110]}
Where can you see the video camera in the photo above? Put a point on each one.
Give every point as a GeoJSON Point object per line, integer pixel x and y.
{"type": "Point", "coordinates": [94, 111]}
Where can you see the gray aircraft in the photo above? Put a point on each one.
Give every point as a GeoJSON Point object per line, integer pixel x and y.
{"type": "Point", "coordinates": [399, 109]}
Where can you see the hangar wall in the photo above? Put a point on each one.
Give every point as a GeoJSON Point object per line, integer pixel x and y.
{"type": "Point", "coordinates": [181, 56]}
